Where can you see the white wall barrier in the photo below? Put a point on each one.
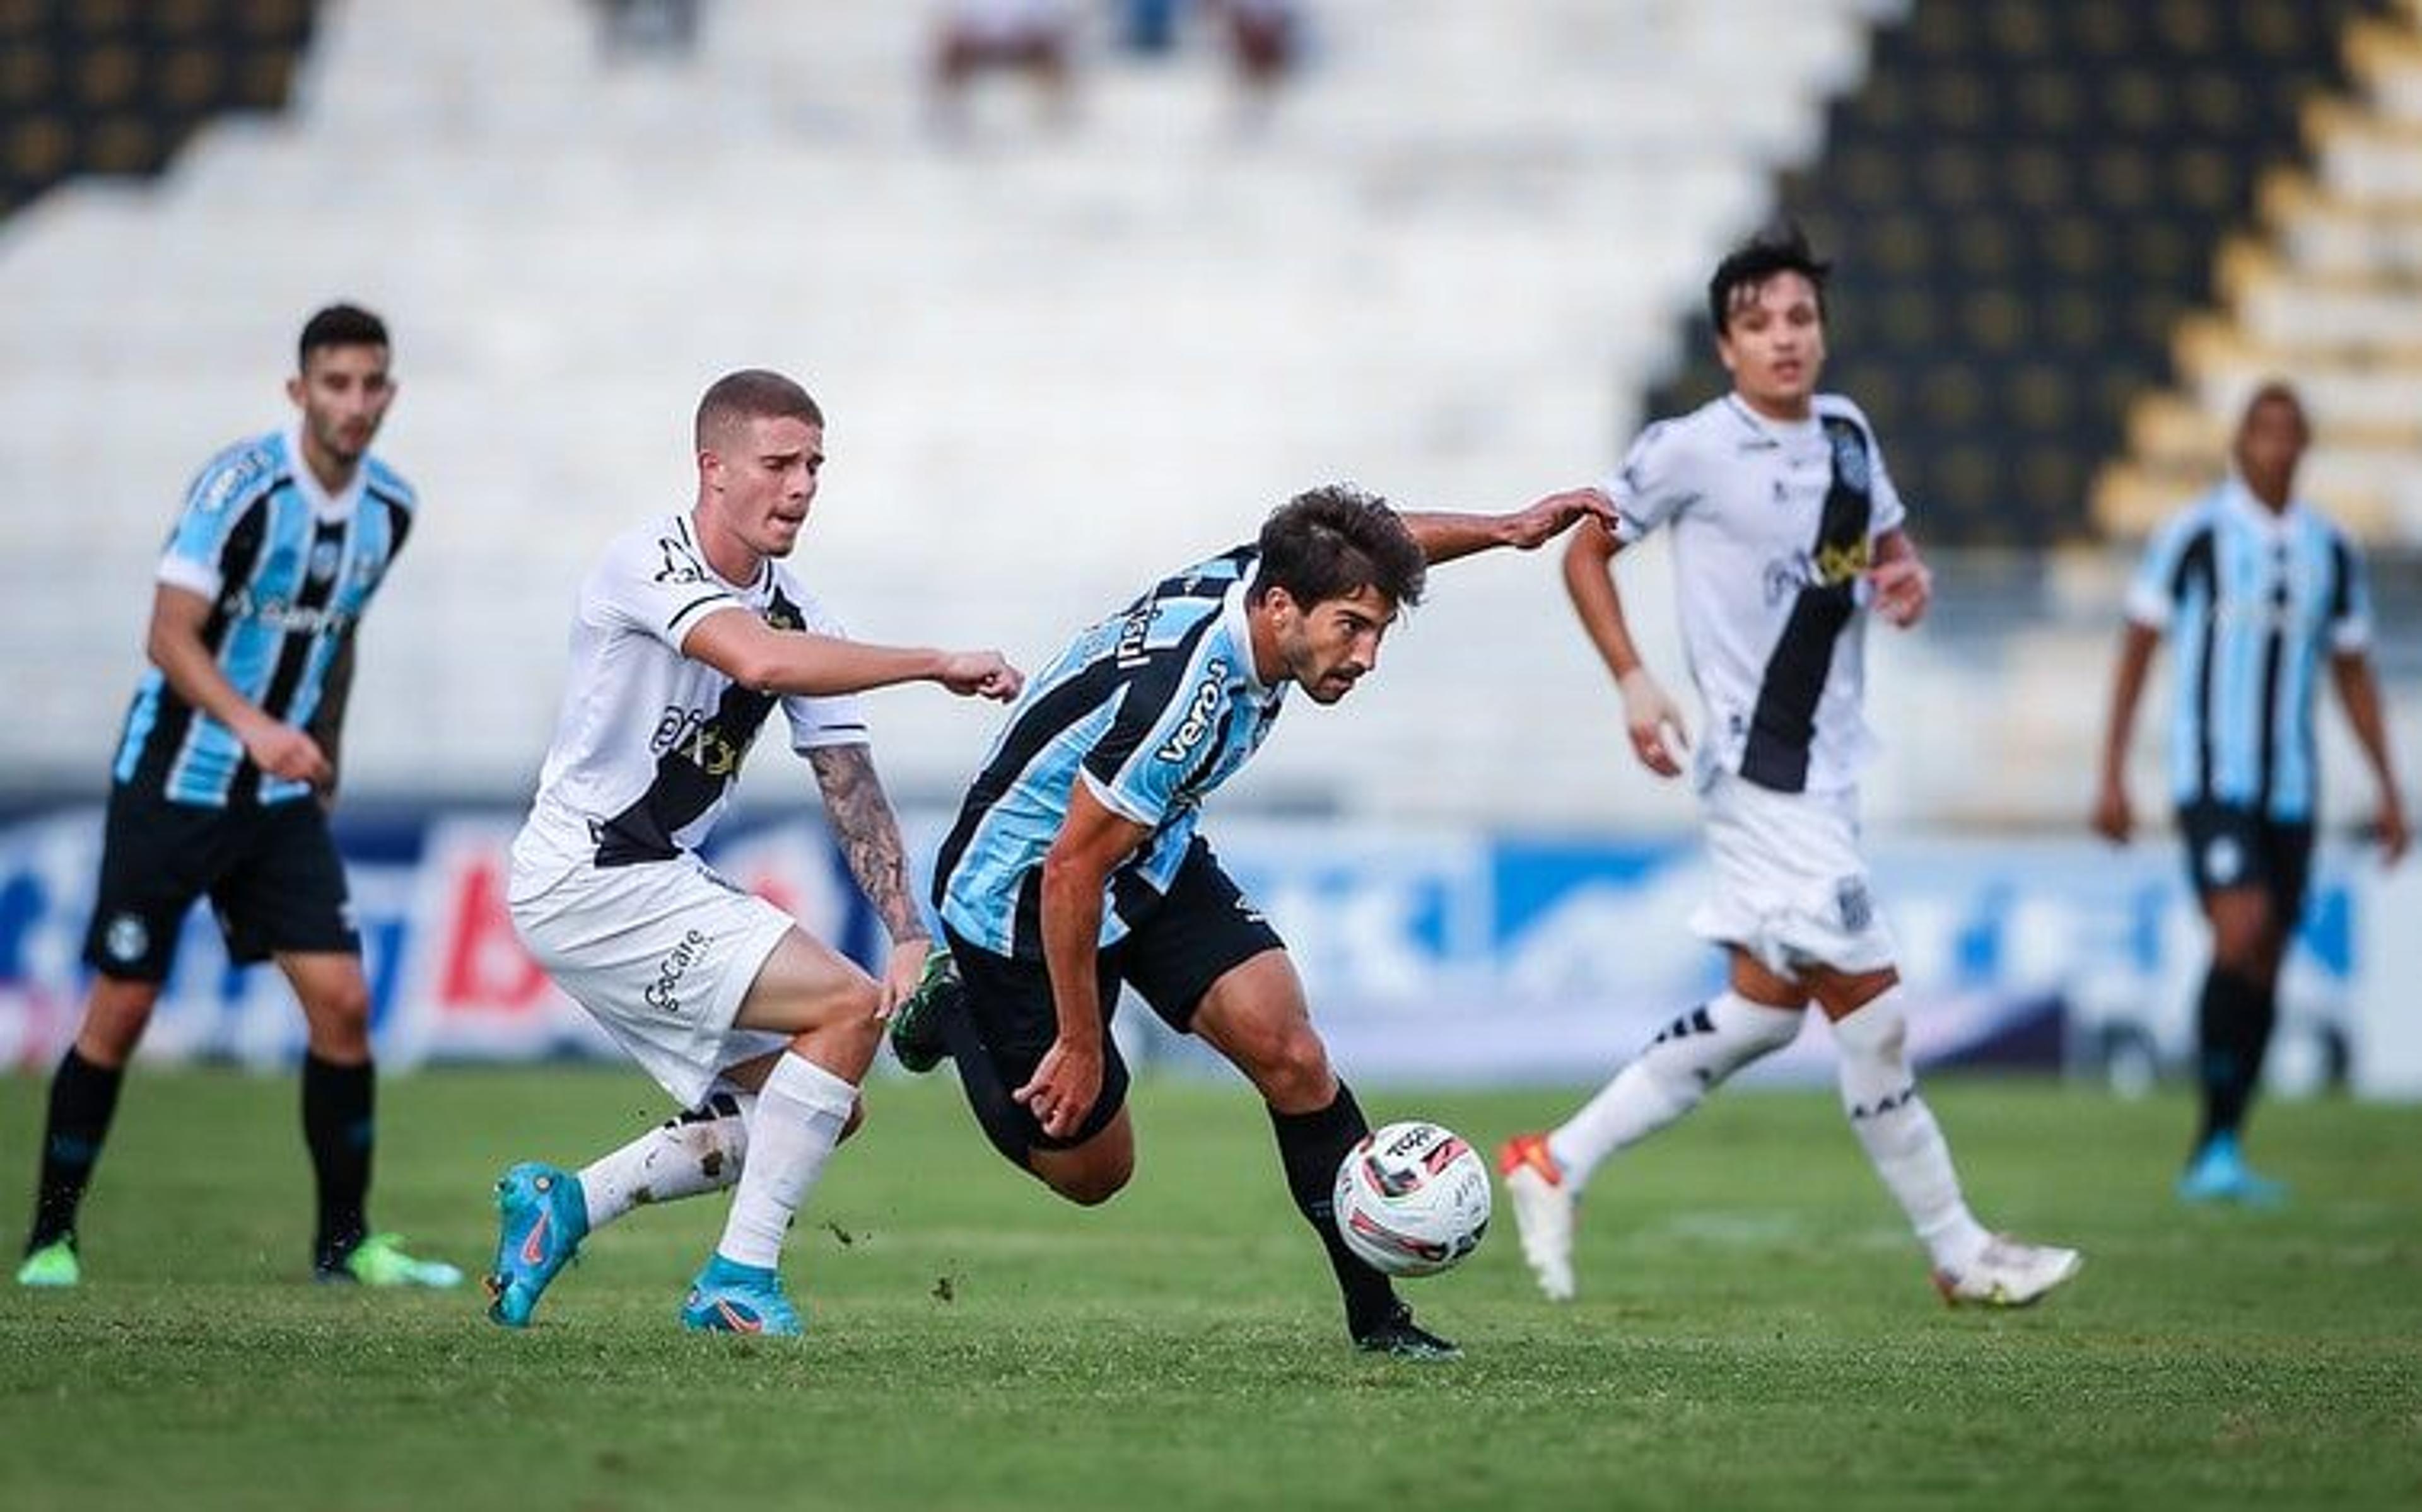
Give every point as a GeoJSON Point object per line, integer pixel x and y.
{"type": "Point", "coordinates": [1432, 952]}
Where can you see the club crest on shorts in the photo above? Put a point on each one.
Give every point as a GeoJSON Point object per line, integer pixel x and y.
{"type": "Point", "coordinates": [126, 939]}
{"type": "Point", "coordinates": [1852, 902]}
{"type": "Point", "coordinates": [2223, 861]}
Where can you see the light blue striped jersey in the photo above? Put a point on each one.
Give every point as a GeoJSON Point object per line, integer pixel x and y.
{"type": "Point", "coordinates": [288, 569]}
{"type": "Point", "coordinates": [1151, 709]}
{"type": "Point", "coordinates": [2251, 601]}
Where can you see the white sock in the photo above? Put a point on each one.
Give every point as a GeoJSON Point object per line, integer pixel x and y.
{"type": "Point", "coordinates": [800, 1112]}
{"type": "Point", "coordinates": [1686, 1060]}
{"type": "Point", "coordinates": [1902, 1140]}
{"type": "Point", "coordinates": [701, 1150]}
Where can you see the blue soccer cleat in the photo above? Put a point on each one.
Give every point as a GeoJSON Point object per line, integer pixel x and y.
{"type": "Point", "coordinates": [542, 1217]}
{"type": "Point", "coordinates": [731, 1298]}
{"type": "Point", "coordinates": [2219, 1173]}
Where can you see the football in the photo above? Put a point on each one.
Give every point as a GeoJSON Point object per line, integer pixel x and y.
{"type": "Point", "coordinates": [1412, 1198]}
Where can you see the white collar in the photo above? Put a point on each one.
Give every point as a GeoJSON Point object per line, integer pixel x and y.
{"type": "Point", "coordinates": [324, 506]}
{"type": "Point", "coordinates": [2236, 496]}
{"type": "Point", "coordinates": [1240, 629]}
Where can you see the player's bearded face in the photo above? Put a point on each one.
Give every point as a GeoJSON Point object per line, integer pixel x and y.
{"type": "Point", "coordinates": [1774, 345]}
{"type": "Point", "coordinates": [766, 474]}
{"type": "Point", "coordinates": [344, 392]}
{"type": "Point", "coordinates": [1331, 646]}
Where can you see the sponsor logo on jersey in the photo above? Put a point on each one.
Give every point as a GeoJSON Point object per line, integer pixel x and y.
{"type": "Point", "coordinates": [664, 993]}
{"type": "Point", "coordinates": [1853, 904]}
{"type": "Point", "coordinates": [1199, 710]}
{"type": "Point", "coordinates": [681, 565]}
{"type": "Point", "coordinates": [283, 615]}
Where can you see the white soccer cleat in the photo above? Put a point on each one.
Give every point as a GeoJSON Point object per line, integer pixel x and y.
{"type": "Point", "coordinates": [2007, 1273]}
{"type": "Point", "coordinates": [1543, 1211]}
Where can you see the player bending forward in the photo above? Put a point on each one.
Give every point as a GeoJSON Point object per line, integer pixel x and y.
{"type": "Point", "coordinates": [1786, 529]}
{"type": "Point", "coordinates": [688, 636]}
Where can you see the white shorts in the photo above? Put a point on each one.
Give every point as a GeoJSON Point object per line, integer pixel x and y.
{"type": "Point", "coordinates": [1791, 887]}
{"type": "Point", "coordinates": [661, 953]}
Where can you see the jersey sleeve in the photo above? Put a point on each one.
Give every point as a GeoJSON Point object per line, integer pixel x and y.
{"type": "Point", "coordinates": [227, 489]}
{"type": "Point", "coordinates": [1651, 487]}
{"type": "Point", "coordinates": [658, 583]}
{"type": "Point", "coordinates": [1167, 719]}
{"type": "Point", "coordinates": [2152, 593]}
{"type": "Point", "coordinates": [824, 720]}
{"type": "Point", "coordinates": [2350, 617]}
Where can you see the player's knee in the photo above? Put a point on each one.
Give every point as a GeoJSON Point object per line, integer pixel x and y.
{"type": "Point", "coordinates": [114, 1019]}
{"type": "Point", "coordinates": [1289, 1066]}
{"type": "Point", "coordinates": [1092, 1183]}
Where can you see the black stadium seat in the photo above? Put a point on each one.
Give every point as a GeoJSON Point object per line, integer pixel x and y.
{"type": "Point", "coordinates": [2023, 201]}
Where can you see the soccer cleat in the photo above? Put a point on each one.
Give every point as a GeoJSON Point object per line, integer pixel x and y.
{"type": "Point", "coordinates": [917, 1022]}
{"type": "Point", "coordinates": [1543, 1211]}
{"type": "Point", "coordinates": [379, 1260]}
{"type": "Point", "coordinates": [1400, 1337]}
{"type": "Point", "coordinates": [731, 1298]}
{"type": "Point", "coordinates": [2007, 1273]}
{"type": "Point", "coordinates": [2219, 1173]}
{"type": "Point", "coordinates": [542, 1217]}
{"type": "Point", "coordinates": [54, 1265]}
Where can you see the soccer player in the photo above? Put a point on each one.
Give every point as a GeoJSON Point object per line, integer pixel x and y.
{"type": "Point", "coordinates": [2253, 587]}
{"type": "Point", "coordinates": [224, 776]}
{"type": "Point", "coordinates": [1787, 531]}
{"type": "Point", "coordinates": [1074, 865]}
{"type": "Point", "coordinates": [688, 636]}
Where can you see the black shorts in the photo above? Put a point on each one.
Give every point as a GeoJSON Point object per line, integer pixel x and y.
{"type": "Point", "coordinates": [2229, 845]}
{"type": "Point", "coordinates": [1202, 928]}
{"type": "Point", "coordinates": [271, 873]}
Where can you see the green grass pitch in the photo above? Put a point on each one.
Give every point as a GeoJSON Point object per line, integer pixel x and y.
{"type": "Point", "coordinates": [1755, 1328]}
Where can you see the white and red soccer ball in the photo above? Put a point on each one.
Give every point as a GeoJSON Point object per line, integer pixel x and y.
{"type": "Point", "coordinates": [1412, 1198]}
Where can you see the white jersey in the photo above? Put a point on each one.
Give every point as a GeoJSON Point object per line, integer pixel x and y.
{"type": "Point", "coordinates": [649, 741]}
{"type": "Point", "coordinates": [1774, 525]}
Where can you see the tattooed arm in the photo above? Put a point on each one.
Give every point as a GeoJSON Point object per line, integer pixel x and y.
{"type": "Point", "coordinates": [869, 833]}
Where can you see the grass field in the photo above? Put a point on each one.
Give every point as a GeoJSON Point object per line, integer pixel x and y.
{"type": "Point", "coordinates": [1754, 1330]}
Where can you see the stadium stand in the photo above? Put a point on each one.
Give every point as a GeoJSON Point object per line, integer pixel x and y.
{"type": "Point", "coordinates": [2324, 292]}
{"type": "Point", "coordinates": [1056, 362]}
{"type": "Point", "coordinates": [2025, 200]}
{"type": "Point", "coordinates": [116, 87]}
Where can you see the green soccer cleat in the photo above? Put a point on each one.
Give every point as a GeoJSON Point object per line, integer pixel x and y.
{"type": "Point", "coordinates": [379, 1260]}
{"type": "Point", "coordinates": [917, 1023]}
{"type": "Point", "coordinates": [54, 1265]}
{"type": "Point", "coordinates": [542, 1217]}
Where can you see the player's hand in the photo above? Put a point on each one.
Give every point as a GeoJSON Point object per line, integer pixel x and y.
{"type": "Point", "coordinates": [2394, 835]}
{"type": "Point", "coordinates": [1064, 1088]}
{"type": "Point", "coordinates": [283, 751]}
{"type": "Point", "coordinates": [901, 975]}
{"type": "Point", "coordinates": [1543, 521]}
{"type": "Point", "coordinates": [981, 675]}
{"type": "Point", "coordinates": [2113, 818]}
{"type": "Point", "coordinates": [1659, 736]}
{"type": "Point", "coordinates": [1903, 588]}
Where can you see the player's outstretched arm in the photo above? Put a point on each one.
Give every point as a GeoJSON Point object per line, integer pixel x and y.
{"type": "Point", "coordinates": [869, 833]}
{"type": "Point", "coordinates": [1446, 536]}
{"type": "Point", "coordinates": [1650, 717]}
{"type": "Point", "coordinates": [2113, 818]}
{"type": "Point", "coordinates": [2359, 690]}
{"type": "Point", "coordinates": [175, 646]}
{"type": "Point", "coordinates": [755, 655]}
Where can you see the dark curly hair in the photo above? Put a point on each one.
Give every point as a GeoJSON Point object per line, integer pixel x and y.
{"type": "Point", "coordinates": [1330, 543]}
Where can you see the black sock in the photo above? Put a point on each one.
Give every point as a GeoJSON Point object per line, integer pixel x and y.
{"type": "Point", "coordinates": [338, 1128]}
{"type": "Point", "coordinates": [1311, 1145]}
{"type": "Point", "coordinates": [2233, 1028]}
{"type": "Point", "coordinates": [83, 1097]}
{"type": "Point", "coordinates": [1003, 1121]}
